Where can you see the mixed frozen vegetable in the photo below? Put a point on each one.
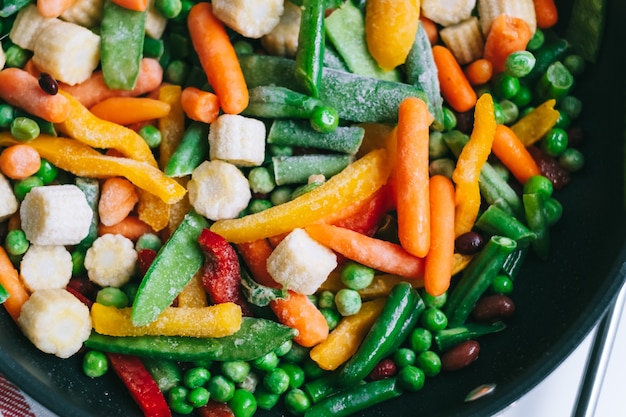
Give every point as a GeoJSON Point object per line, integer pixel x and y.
{"type": "Point", "coordinates": [308, 204]}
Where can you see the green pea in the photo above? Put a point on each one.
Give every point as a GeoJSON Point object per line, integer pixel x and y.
{"type": "Point", "coordinates": [555, 142]}
{"type": "Point", "coordinates": [196, 377]}
{"type": "Point", "coordinates": [152, 135]}
{"type": "Point", "coordinates": [280, 195]}
{"type": "Point", "coordinates": [434, 319]}
{"type": "Point", "coordinates": [297, 402]}
{"type": "Point", "coordinates": [280, 150]}
{"type": "Point", "coordinates": [130, 289]}
{"type": "Point", "coordinates": [326, 299]}
{"type": "Point", "coordinates": [95, 364]}
{"type": "Point", "coordinates": [261, 180]}
{"type": "Point", "coordinates": [429, 362]}
{"type": "Point", "coordinates": [539, 184]}
{"type": "Point", "coordinates": [502, 284]}
{"type": "Point", "coordinates": [442, 166]}
{"type": "Point", "coordinates": [554, 210]}
{"type": "Point", "coordinates": [7, 114]}
{"type": "Point", "coordinates": [505, 86]}
{"type": "Point", "coordinates": [283, 349]}
{"type": "Point", "coordinates": [295, 373]}
{"type": "Point", "coordinates": [498, 113]}
{"type": "Point", "coordinates": [348, 301]}
{"type": "Point", "coordinates": [16, 243]}
{"type": "Point", "coordinates": [570, 105]}
{"type": "Point", "coordinates": [47, 172]}
{"type": "Point", "coordinates": [420, 339]}
{"type": "Point", "coordinates": [575, 64]}
{"type": "Point", "coordinates": [177, 400]}
{"type": "Point", "coordinates": [22, 187]}
{"type": "Point", "coordinates": [449, 119]}
{"type": "Point", "coordinates": [78, 262]}
{"type": "Point", "coordinates": [523, 97]}
{"type": "Point", "coordinates": [572, 160]}
{"type": "Point", "coordinates": [324, 119]}
{"type": "Point", "coordinates": [536, 41]}
{"type": "Point", "coordinates": [437, 147]}
{"type": "Point", "coordinates": [198, 397]}
{"type": "Point", "coordinates": [221, 388]}
{"type": "Point", "coordinates": [296, 354]}
{"type": "Point", "coordinates": [311, 369]}
{"type": "Point", "coordinates": [243, 47]}
{"type": "Point", "coordinates": [176, 72]}
{"type": "Point", "coordinates": [332, 317]}
{"type": "Point", "coordinates": [24, 129]}
{"type": "Point", "coordinates": [266, 362]}
{"type": "Point", "coordinates": [404, 357]}
{"type": "Point", "coordinates": [265, 399]}
{"type": "Point", "coordinates": [509, 110]}
{"type": "Point", "coordinates": [564, 121]}
{"type": "Point", "coordinates": [276, 381]}
{"type": "Point", "coordinates": [148, 241]}
{"type": "Point", "coordinates": [258, 205]}
{"type": "Point", "coordinates": [168, 8]}
{"type": "Point", "coordinates": [436, 301]}
{"type": "Point", "coordinates": [235, 370]}
{"type": "Point", "coordinates": [16, 56]}
{"type": "Point", "coordinates": [111, 296]}
{"type": "Point", "coordinates": [243, 403]}
{"type": "Point", "coordinates": [519, 63]}
{"type": "Point", "coordinates": [411, 378]}
{"type": "Point", "coordinates": [356, 276]}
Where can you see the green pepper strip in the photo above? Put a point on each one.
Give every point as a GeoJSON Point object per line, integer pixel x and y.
{"type": "Point", "coordinates": [538, 223]}
{"type": "Point", "coordinates": [477, 278]}
{"type": "Point", "coordinates": [310, 54]}
{"type": "Point", "coordinates": [356, 398]}
{"type": "Point", "coordinates": [449, 337]}
{"type": "Point", "coordinates": [255, 338]}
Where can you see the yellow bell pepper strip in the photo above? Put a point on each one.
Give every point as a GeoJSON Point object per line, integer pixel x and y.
{"type": "Point", "coordinates": [532, 127]}
{"type": "Point", "coordinates": [171, 126]}
{"type": "Point", "coordinates": [469, 164]}
{"type": "Point", "coordinates": [82, 160]}
{"type": "Point", "coordinates": [356, 182]}
{"type": "Point", "coordinates": [218, 320]}
{"type": "Point", "coordinates": [380, 286]}
{"type": "Point", "coordinates": [152, 210]}
{"type": "Point", "coordinates": [193, 295]}
{"type": "Point", "coordinates": [345, 339]}
{"type": "Point", "coordinates": [85, 127]}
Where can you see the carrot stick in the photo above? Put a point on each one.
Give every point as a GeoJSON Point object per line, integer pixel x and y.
{"type": "Point", "coordinates": [440, 258]}
{"type": "Point", "coordinates": [94, 89]}
{"type": "Point", "coordinates": [131, 227]}
{"type": "Point", "coordinates": [513, 154]}
{"type": "Point", "coordinates": [218, 58]}
{"type": "Point", "coordinates": [507, 34]}
{"type": "Point", "coordinates": [9, 278]}
{"type": "Point", "coordinates": [136, 5]}
{"type": "Point", "coordinates": [298, 312]}
{"type": "Point", "coordinates": [53, 8]}
{"type": "Point", "coordinates": [117, 199]}
{"type": "Point", "coordinates": [479, 71]}
{"type": "Point", "coordinates": [431, 29]}
{"type": "Point", "coordinates": [127, 110]}
{"type": "Point", "coordinates": [200, 105]}
{"type": "Point", "coordinates": [255, 254]}
{"type": "Point", "coordinates": [546, 13]}
{"type": "Point", "coordinates": [19, 161]}
{"type": "Point", "coordinates": [376, 253]}
{"type": "Point", "coordinates": [455, 87]}
{"type": "Point", "coordinates": [411, 176]}
{"type": "Point", "coordinates": [21, 89]}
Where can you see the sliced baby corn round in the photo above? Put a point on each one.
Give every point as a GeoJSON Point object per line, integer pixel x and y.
{"type": "Point", "coordinates": [489, 10]}
{"type": "Point", "coordinates": [87, 13]}
{"type": "Point", "coordinates": [55, 322]}
{"type": "Point", "coordinates": [44, 267]}
{"type": "Point", "coordinates": [447, 12]}
{"type": "Point", "coordinates": [464, 39]}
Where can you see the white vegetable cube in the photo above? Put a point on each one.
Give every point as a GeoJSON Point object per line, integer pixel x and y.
{"type": "Point", "coordinates": [251, 18]}
{"type": "Point", "coordinates": [27, 26]}
{"type": "Point", "coordinates": [45, 267]}
{"type": "Point", "coordinates": [300, 263]}
{"type": "Point", "coordinates": [68, 52]}
{"type": "Point", "coordinates": [111, 260]}
{"type": "Point", "coordinates": [55, 215]}
{"type": "Point", "coordinates": [55, 322]}
{"type": "Point", "coordinates": [283, 39]}
{"type": "Point", "coordinates": [448, 12]}
{"type": "Point", "coordinates": [237, 139]}
{"type": "Point", "coordinates": [155, 22]}
{"type": "Point", "coordinates": [8, 202]}
{"type": "Point", "coordinates": [218, 190]}
{"type": "Point", "coordinates": [87, 13]}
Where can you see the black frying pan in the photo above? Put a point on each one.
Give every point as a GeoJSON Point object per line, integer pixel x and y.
{"type": "Point", "coordinates": [557, 302]}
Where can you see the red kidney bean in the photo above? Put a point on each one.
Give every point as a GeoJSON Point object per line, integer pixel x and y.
{"type": "Point", "coordinates": [550, 167]}
{"type": "Point", "coordinates": [48, 83]}
{"type": "Point", "coordinates": [469, 243]}
{"type": "Point", "coordinates": [493, 307]}
{"type": "Point", "coordinates": [384, 369]}
{"type": "Point", "coordinates": [460, 355]}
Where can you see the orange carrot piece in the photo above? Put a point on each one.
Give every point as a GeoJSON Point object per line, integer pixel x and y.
{"type": "Point", "coordinates": [127, 110]}
{"type": "Point", "coordinates": [479, 72]}
{"type": "Point", "coordinates": [10, 280]}
{"type": "Point", "coordinates": [19, 161]}
{"type": "Point", "coordinates": [379, 254]}
{"type": "Point", "coordinates": [199, 105]}
{"type": "Point", "coordinates": [117, 199]}
{"type": "Point", "coordinates": [94, 89]}
{"type": "Point", "coordinates": [255, 254]}
{"type": "Point", "coordinates": [455, 87]}
{"type": "Point", "coordinates": [513, 154]}
{"type": "Point", "coordinates": [131, 227]}
{"type": "Point", "coordinates": [440, 258]}
{"type": "Point", "coordinates": [136, 5]}
{"type": "Point", "coordinates": [507, 34]}
{"type": "Point", "coordinates": [21, 89]}
{"type": "Point", "coordinates": [218, 58]}
{"type": "Point", "coordinates": [546, 13]}
{"type": "Point", "coordinates": [431, 29]}
{"type": "Point", "coordinates": [411, 176]}
{"type": "Point", "coordinates": [298, 312]}
{"type": "Point", "coordinates": [53, 8]}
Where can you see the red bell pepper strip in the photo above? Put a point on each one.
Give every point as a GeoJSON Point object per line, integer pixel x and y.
{"type": "Point", "coordinates": [215, 409]}
{"type": "Point", "coordinates": [221, 276]}
{"type": "Point", "coordinates": [365, 216]}
{"type": "Point", "coordinates": [140, 384]}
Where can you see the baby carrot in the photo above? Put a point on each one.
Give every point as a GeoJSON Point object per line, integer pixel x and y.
{"type": "Point", "coordinates": [431, 29]}
{"type": "Point", "coordinates": [21, 89]}
{"type": "Point", "coordinates": [479, 71]}
{"type": "Point", "coordinates": [131, 227]}
{"type": "Point", "coordinates": [117, 199]}
{"type": "Point", "coordinates": [218, 58]}
{"type": "Point", "coordinates": [546, 13]}
{"type": "Point", "coordinates": [255, 254]}
{"type": "Point", "coordinates": [376, 253]}
{"type": "Point", "coordinates": [507, 34]}
{"type": "Point", "coordinates": [19, 161]}
{"type": "Point", "coordinates": [411, 176]}
{"type": "Point", "coordinates": [136, 5]}
{"type": "Point", "coordinates": [199, 105]}
{"type": "Point", "coordinates": [127, 110]}
{"type": "Point", "coordinates": [513, 154]}
{"type": "Point", "coordinates": [9, 279]}
{"type": "Point", "coordinates": [53, 8]}
{"type": "Point", "coordinates": [455, 87]}
{"type": "Point", "coordinates": [298, 312]}
{"type": "Point", "coordinates": [440, 258]}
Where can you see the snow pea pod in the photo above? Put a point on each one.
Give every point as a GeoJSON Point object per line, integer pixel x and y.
{"type": "Point", "coordinates": [311, 40]}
